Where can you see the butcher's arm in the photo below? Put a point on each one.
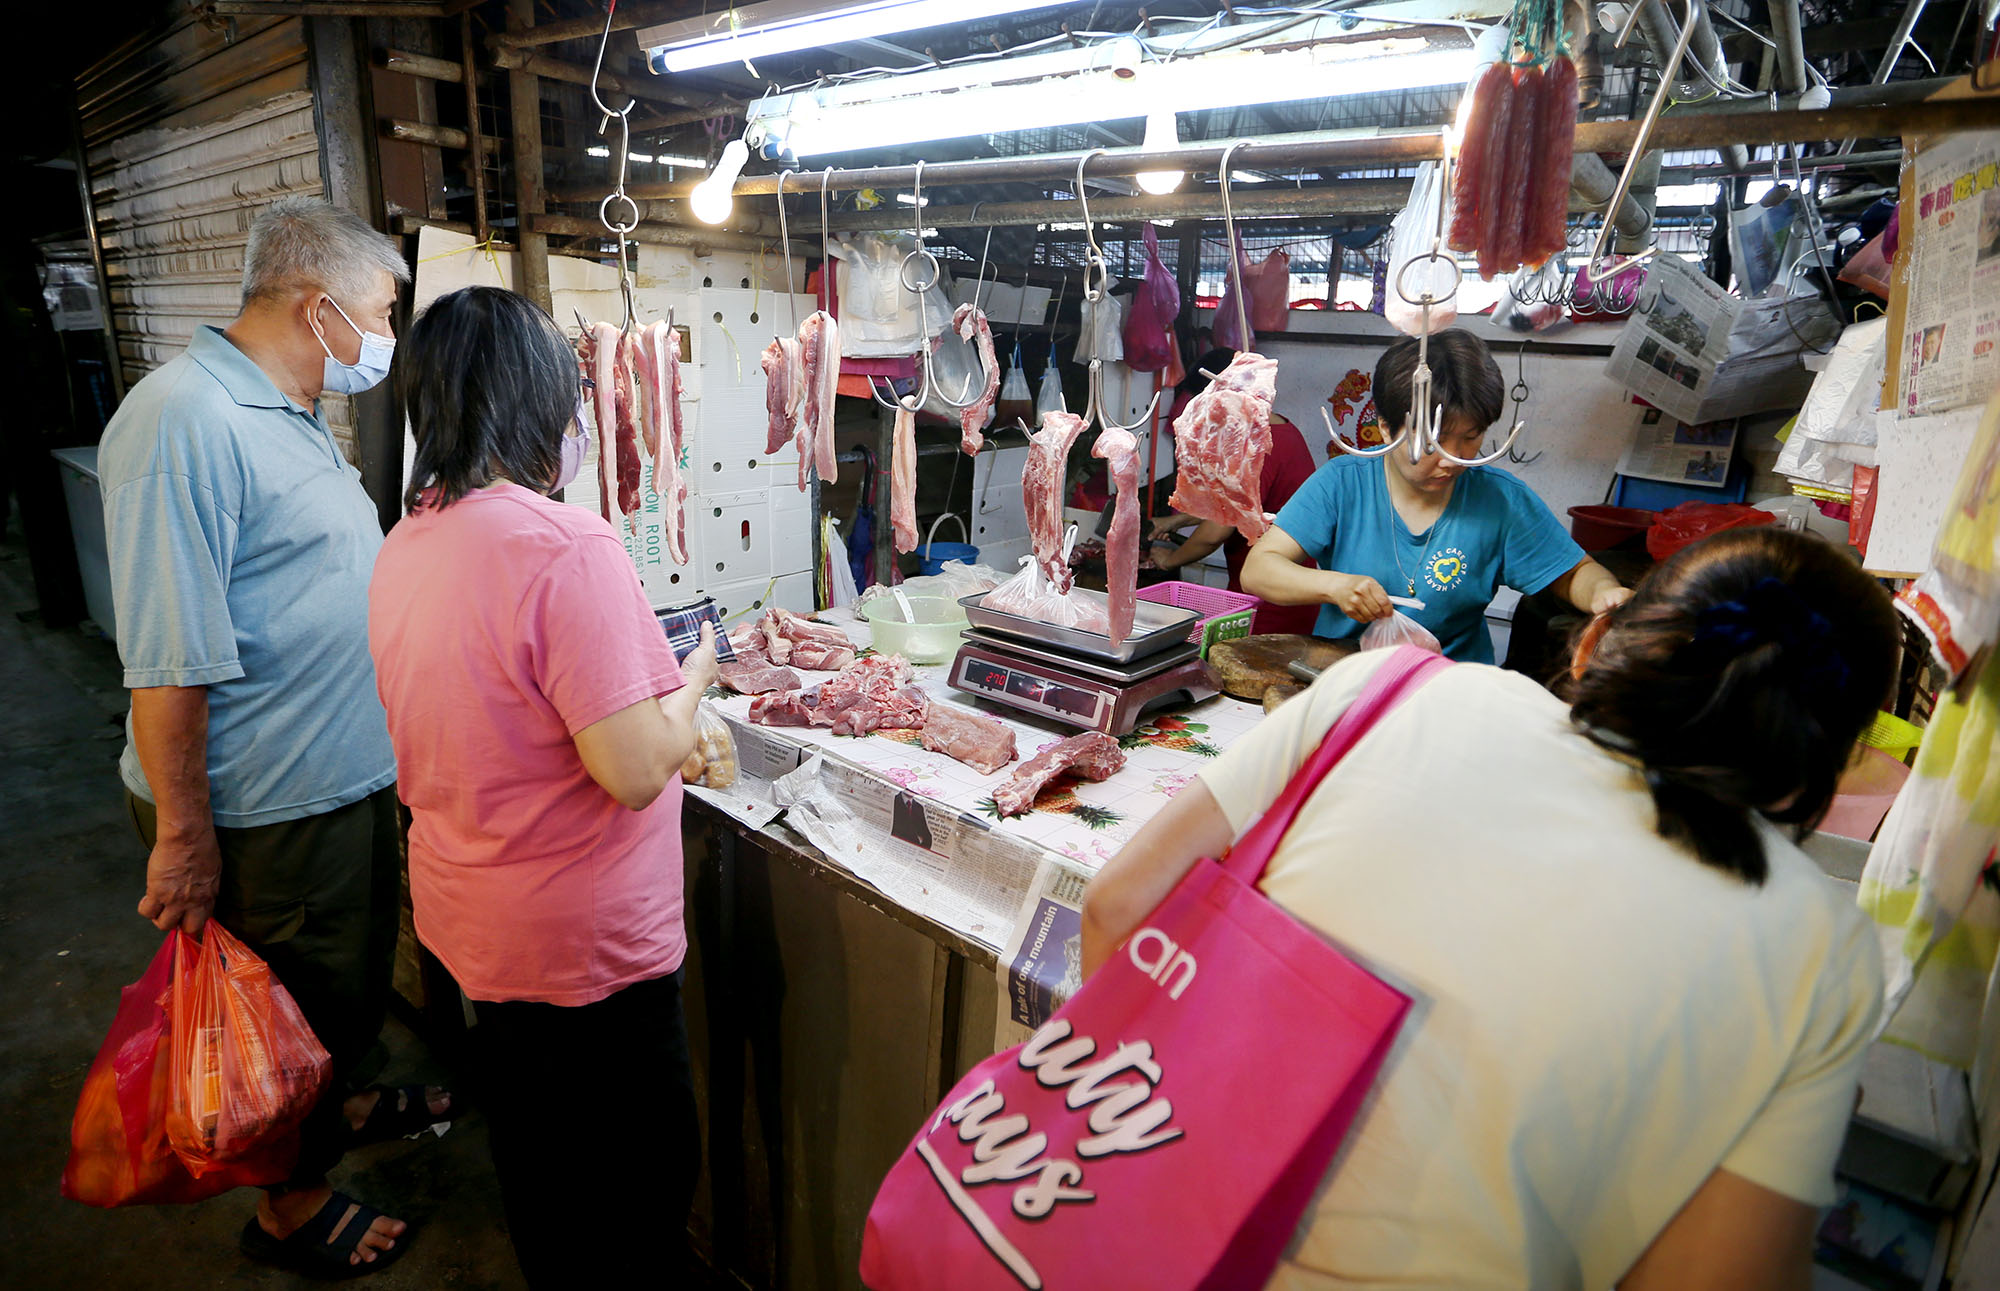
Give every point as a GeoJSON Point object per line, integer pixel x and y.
{"type": "Point", "coordinates": [1592, 588]}
{"type": "Point", "coordinates": [1279, 571]}
{"type": "Point", "coordinates": [170, 737]}
{"type": "Point", "coordinates": [1172, 523]}
{"type": "Point", "coordinates": [1128, 888]}
{"type": "Point", "coordinates": [1733, 1235]}
{"type": "Point", "coordinates": [636, 751]}
{"type": "Point", "coordinates": [1207, 538]}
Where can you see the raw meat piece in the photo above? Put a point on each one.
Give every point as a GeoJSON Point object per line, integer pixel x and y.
{"type": "Point", "coordinates": [776, 643]}
{"type": "Point", "coordinates": [1470, 186]}
{"type": "Point", "coordinates": [657, 353]}
{"type": "Point", "coordinates": [819, 342]}
{"type": "Point", "coordinates": [782, 708]}
{"type": "Point", "coordinates": [784, 367]}
{"type": "Point", "coordinates": [1121, 546]}
{"type": "Point", "coordinates": [601, 356]}
{"type": "Point", "coordinates": [971, 325]}
{"type": "Point", "coordinates": [1042, 481]}
{"type": "Point", "coordinates": [819, 656]}
{"type": "Point", "coordinates": [798, 628]}
{"type": "Point", "coordinates": [866, 696]}
{"type": "Point", "coordinates": [1220, 442]}
{"type": "Point", "coordinates": [756, 676]}
{"type": "Point", "coordinates": [1519, 179]}
{"type": "Point", "coordinates": [903, 480]}
{"type": "Point", "coordinates": [1228, 321]}
{"type": "Point", "coordinates": [979, 741]}
{"type": "Point", "coordinates": [651, 406]}
{"type": "Point", "coordinates": [1555, 146]}
{"type": "Point", "coordinates": [621, 427]}
{"type": "Point", "coordinates": [1092, 755]}
{"type": "Point", "coordinates": [747, 639]}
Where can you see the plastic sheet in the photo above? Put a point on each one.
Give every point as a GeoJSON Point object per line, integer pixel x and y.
{"type": "Point", "coordinates": [879, 318]}
{"type": "Point", "coordinates": [712, 764]}
{"type": "Point", "coordinates": [1399, 629]}
{"type": "Point", "coordinates": [1690, 522]}
{"type": "Point", "coordinates": [1031, 595]}
{"type": "Point", "coordinates": [1228, 327]}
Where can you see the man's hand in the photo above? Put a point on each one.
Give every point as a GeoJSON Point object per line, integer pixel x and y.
{"type": "Point", "coordinates": [182, 876]}
{"type": "Point", "coordinates": [1609, 598]}
{"type": "Point", "coordinates": [1167, 526]}
{"type": "Point", "coordinates": [699, 669]}
{"type": "Point", "coordinates": [1360, 598]}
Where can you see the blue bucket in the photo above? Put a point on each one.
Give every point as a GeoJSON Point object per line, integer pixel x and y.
{"type": "Point", "coordinates": [933, 554]}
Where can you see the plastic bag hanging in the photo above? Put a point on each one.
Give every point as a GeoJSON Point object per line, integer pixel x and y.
{"type": "Point", "coordinates": [1412, 236]}
{"type": "Point", "coordinates": [1149, 328]}
{"type": "Point", "coordinates": [1050, 397]}
{"type": "Point", "coordinates": [1270, 288]}
{"type": "Point", "coordinates": [1017, 401]}
{"type": "Point", "coordinates": [1229, 325]}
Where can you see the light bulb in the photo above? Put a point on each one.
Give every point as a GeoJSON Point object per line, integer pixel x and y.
{"type": "Point", "coordinates": [713, 198]}
{"type": "Point", "coordinates": [1162, 135]}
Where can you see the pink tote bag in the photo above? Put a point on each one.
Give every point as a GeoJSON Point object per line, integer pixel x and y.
{"type": "Point", "coordinates": [1168, 1126]}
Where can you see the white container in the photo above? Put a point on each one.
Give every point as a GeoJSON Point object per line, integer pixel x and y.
{"type": "Point", "coordinates": [86, 527]}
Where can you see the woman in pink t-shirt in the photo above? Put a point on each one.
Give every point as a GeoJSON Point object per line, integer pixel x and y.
{"type": "Point", "coordinates": [540, 722]}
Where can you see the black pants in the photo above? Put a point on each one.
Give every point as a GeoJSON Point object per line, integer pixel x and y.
{"type": "Point", "coordinates": [595, 1141]}
{"type": "Point", "coordinates": [318, 899]}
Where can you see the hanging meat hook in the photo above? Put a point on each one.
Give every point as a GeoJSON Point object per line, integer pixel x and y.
{"type": "Point", "coordinates": [918, 286]}
{"type": "Point", "coordinates": [1094, 289]}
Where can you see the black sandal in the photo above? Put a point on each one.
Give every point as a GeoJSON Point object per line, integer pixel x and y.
{"type": "Point", "coordinates": [311, 1250]}
{"type": "Point", "coordinates": [402, 1112]}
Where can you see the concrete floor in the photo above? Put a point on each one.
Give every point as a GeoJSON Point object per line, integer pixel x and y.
{"type": "Point", "coordinates": [70, 878]}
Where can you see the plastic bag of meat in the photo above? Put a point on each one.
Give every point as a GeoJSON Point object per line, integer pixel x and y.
{"type": "Point", "coordinates": [1030, 595]}
{"type": "Point", "coordinates": [712, 764]}
{"type": "Point", "coordinates": [1399, 629]}
{"type": "Point", "coordinates": [1413, 235]}
{"type": "Point", "coordinates": [1149, 327]}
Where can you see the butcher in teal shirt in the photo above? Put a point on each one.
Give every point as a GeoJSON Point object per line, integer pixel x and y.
{"type": "Point", "coordinates": [1365, 529]}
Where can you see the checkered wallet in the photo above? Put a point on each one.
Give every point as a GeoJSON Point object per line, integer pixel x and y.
{"type": "Point", "coordinates": [682, 624]}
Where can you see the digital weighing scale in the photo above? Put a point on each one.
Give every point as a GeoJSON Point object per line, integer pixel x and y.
{"type": "Point", "coordinates": [1091, 694]}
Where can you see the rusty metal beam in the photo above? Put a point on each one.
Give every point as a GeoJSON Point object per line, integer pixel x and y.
{"type": "Point", "coordinates": [648, 90]}
{"type": "Point", "coordinates": [629, 17]}
{"type": "Point", "coordinates": [669, 235]}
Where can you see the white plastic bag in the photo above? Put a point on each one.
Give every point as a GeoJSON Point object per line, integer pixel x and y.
{"type": "Point", "coordinates": [1030, 595]}
{"type": "Point", "coordinates": [954, 581]}
{"type": "Point", "coordinates": [1414, 233]}
{"type": "Point", "coordinates": [1399, 629]}
{"type": "Point", "coordinates": [1050, 397]}
{"type": "Point", "coordinates": [839, 575]}
{"type": "Point", "coordinates": [1101, 333]}
{"type": "Point", "coordinates": [879, 318]}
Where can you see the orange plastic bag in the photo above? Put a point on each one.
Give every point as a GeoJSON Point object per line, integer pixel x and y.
{"type": "Point", "coordinates": [246, 1067]}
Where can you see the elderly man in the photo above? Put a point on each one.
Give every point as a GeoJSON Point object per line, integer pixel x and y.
{"type": "Point", "coordinates": [257, 764]}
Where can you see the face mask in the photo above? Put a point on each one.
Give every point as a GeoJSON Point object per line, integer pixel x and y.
{"type": "Point", "coordinates": [368, 369]}
{"type": "Point", "coordinates": [573, 446]}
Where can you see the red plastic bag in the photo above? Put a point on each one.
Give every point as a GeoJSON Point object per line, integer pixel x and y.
{"type": "Point", "coordinates": [1149, 327]}
{"type": "Point", "coordinates": [1270, 288]}
{"type": "Point", "coordinates": [1228, 328]}
{"type": "Point", "coordinates": [119, 1153]}
{"type": "Point", "coordinates": [1690, 522]}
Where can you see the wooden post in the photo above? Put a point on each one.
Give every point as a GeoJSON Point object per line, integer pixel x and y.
{"type": "Point", "coordinates": [475, 138]}
{"type": "Point", "coordinates": [524, 96]}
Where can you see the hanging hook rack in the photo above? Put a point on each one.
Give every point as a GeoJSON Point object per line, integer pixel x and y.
{"type": "Point", "coordinates": [1094, 289]}
{"type": "Point", "coordinates": [1518, 395]}
{"type": "Point", "coordinates": [917, 285]}
{"type": "Point", "coordinates": [825, 244]}
{"type": "Point", "coordinates": [621, 158]}
{"type": "Point", "coordinates": [785, 241]}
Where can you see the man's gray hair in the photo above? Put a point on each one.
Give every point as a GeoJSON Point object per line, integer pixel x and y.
{"type": "Point", "coordinates": [303, 243]}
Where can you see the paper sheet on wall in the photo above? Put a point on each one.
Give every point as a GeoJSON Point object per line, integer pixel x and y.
{"type": "Point", "coordinates": [1920, 462]}
{"type": "Point", "coordinates": [1951, 330]}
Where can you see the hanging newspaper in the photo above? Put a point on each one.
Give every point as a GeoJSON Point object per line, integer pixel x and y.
{"type": "Point", "coordinates": [1700, 354]}
{"type": "Point", "coordinates": [1952, 288]}
{"type": "Point", "coordinates": [1042, 964]}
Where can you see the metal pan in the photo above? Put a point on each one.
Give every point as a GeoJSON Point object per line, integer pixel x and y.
{"type": "Point", "coordinates": [1155, 627]}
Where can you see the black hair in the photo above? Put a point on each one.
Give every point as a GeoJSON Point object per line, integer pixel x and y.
{"type": "Point", "coordinates": [489, 384]}
{"type": "Point", "coordinates": [1464, 378]}
{"type": "Point", "coordinates": [1740, 675]}
{"type": "Point", "coordinates": [1213, 361]}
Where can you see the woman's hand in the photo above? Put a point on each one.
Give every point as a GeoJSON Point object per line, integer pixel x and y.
{"type": "Point", "coordinates": [1607, 599]}
{"type": "Point", "coordinates": [1359, 597]}
{"type": "Point", "coordinates": [699, 670]}
{"type": "Point", "coordinates": [1167, 526]}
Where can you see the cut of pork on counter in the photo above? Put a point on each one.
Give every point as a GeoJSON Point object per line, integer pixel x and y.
{"type": "Point", "coordinates": [756, 675]}
{"type": "Point", "coordinates": [980, 742]}
{"type": "Point", "coordinates": [1091, 755]}
{"type": "Point", "coordinates": [1220, 442]}
{"type": "Point", "coordinates": [873, 694]}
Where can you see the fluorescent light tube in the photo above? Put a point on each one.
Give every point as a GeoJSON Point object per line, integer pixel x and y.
{"type": "Point", "coordinates": [786, 26]}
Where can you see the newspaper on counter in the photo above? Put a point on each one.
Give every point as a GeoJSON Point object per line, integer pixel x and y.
{"type": "Point", "coordinates": [1042, 964]}
{"type": "Point", "coordinates": [1701, 355]}
{"type": "Point", "coordinates": [1951, 249]}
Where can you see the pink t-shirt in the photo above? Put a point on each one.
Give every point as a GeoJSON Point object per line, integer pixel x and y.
{"type": "Point", "coordinates": [501, 626]}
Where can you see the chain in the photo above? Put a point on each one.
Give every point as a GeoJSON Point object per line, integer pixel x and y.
{"type": "Point", "coordinates": [621, 156]}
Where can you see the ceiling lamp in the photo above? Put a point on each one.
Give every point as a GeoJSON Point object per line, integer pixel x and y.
{"type": "Point", "coordinates": [1162, 135]}
{"type": "Point", "coordinates": [754, 31]}
{"type": "Point", "coordinates": [713, 198]}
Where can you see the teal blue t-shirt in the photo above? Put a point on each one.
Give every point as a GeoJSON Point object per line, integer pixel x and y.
{"type": "Point", "coordinates": [1495, 532]}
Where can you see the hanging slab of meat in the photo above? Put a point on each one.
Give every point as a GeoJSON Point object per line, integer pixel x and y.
{"type": "Point", "coordinates": [1555, 147]}
{"type": "Point", "coordinates": [618, 433]}
{"type": "Point", "coordinates": [971, 325]}
{"type": "Point", "coordinates": [657, 358]}
{"type": "Point", "coordinates": [1042, 482]}
{"type": "Point", "coordinates": [903, 480]}
{"type": "Point", "coordinates": [1120, 451]}
{"type": "Point", "coordinates": [979, 741]}
{"type": "Point", "coordinates": [1220, 442]}
{"type": "Point", "coordinates": [784, 367]}
{"type": "Point", "coordinates": [599, 360]}
{"type": "Point", "coordinates": [1092, 755]}
{"type": "Point", "coordinates": [756, 676]}
{"type": "Point", "coordinates": [819, 345]}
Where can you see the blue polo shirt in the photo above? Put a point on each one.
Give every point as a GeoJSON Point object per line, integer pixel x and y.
{"type": "Point", "coordinates": [1495, 532]}
{"type": "Point", "coordinates": [241, 547]}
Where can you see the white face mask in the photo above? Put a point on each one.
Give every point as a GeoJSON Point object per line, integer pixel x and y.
{"type": "Point", "coordinates": [368, 368]}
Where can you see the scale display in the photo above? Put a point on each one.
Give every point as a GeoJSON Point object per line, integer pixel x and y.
{"type": "Point", "coordinates": [1026, 690]}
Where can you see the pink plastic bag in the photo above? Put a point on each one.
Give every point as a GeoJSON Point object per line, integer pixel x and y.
{"type": "Point", "coordinates": [1149, 327]}
{"type": "Point", "coordinates": [1228, 329]}
{"type": "Point", "coordinates": [1399, 629]}
{"type": "Point", "coordinates": [1168, 1125]}
{"type": "Point", "coordinates": [1270, 286]}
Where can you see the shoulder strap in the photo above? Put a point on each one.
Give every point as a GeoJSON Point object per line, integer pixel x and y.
{"type": "Point", "coordinates": [1394, 681]}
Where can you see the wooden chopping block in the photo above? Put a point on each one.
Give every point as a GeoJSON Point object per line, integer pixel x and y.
{"type": "Point", "coordinates": [1275, 697]}
{"type": "Point", "coordinates": [1249, 666]}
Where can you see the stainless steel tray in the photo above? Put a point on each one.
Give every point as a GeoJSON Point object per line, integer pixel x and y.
{"type": "Point", "coordinates": [1155, 627]}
